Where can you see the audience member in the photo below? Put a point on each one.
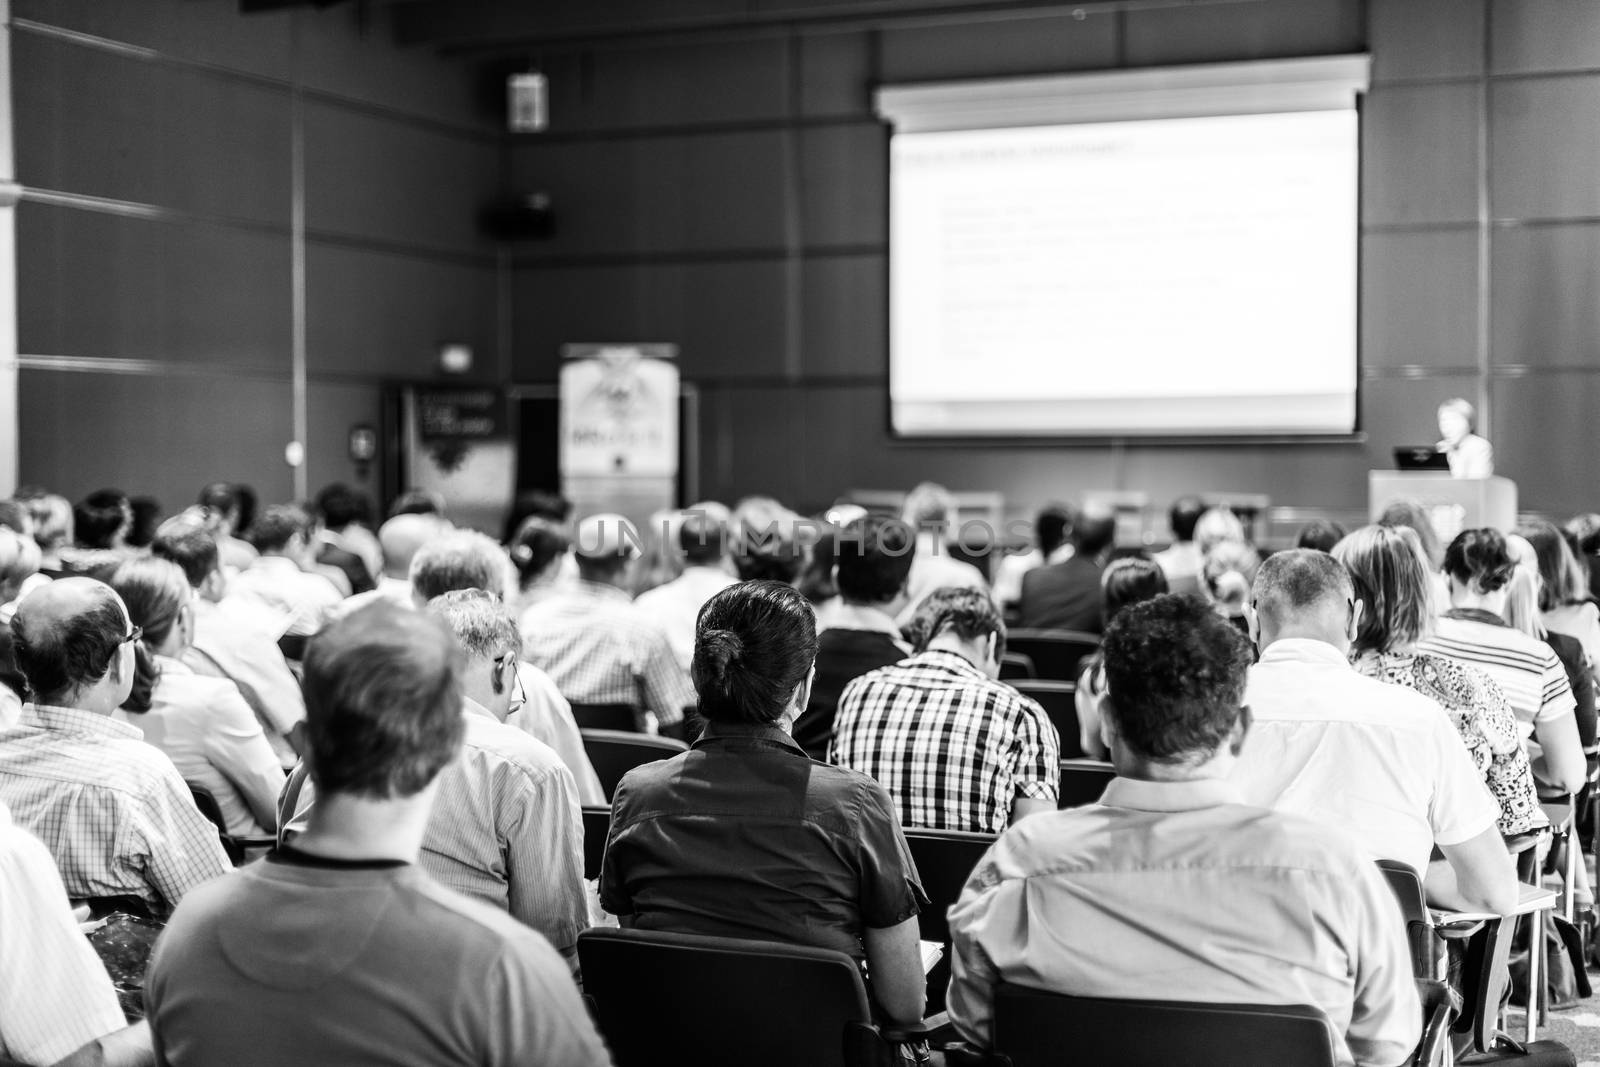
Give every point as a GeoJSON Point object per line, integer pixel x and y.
{"type": "Point", "coordinates": [541, 550]}
{"type": "Point", "coordinates": [766, 545]}
{"type": "Point", "coordinates": [57, 1004]}
{"type": "Point", "coordinates": [147, 515]}
{"type": "Point", "coordinates": [1583, 537]}
{"type": "Point", "coordinates": [418, 502]}
{"type": "Point", "coordinates": [537, 504]}
{"type": "Point", "coordinates": [1066, 595]}
{"type": "Point", "coordinates": [661, 561]}
{"type": "Point", "coordinates": [956, 749]}
{"type": "Point", "coordinates": [1474, 632]}
{"type": "Point", "coordinates": [466, 560]}
{"type": "Point", "coordinates": [1389, 575]}
{"type": "Point", "coordinates": [235, 639]}
{"type": "Point", "coordinates": [1126, 582]}
{"type": "Point", "coordinates": [202, 724]}
{"type": "Point", "coordinates": [1319, 534]}
{"type": "Point", "coordinates": [19, 570]}
{"type": "Point", "coordinates": [343, 540]}
{"type": "Point", "coordinates": [1181, 561]}
{"type": "Point", "coordinates": [930, 511]}
{"type": "Point", "coordinates": [674, 605]}
{"type": "Point", "coordinates": [1226, 575]}
{"type": "Point", "coordinates": [1173, 887]}
{"type": "Point", "coordinates": [399, 541]}
{"type": "Point", "coordinates": [1215, 526]}
{"type": "Point", "coordinates": [100, 522]}
{"type": "Point", "coordinates": [1564, 593]}
{"type": "Point", "coordinates": [1052, 530]}
{"type": "Point", "coordinates": [224, 509]}
{"type": "Point", "coordinates": [338, 948]}
{"type": "Point", "coordinates": [1522, 613]}
{"type": "Point", "coordinates": [281, 578]}
{"type": "Point", "coordinates": [52, 530]}
{"type": "Point", "coordinates": [593, 642]}
{"type": "Point", "coordinates": [743, 836]}
{"type": "Point", "coordinates": [1414, 516]}
{"type": "Point", "coordinates": [858, 633]}
{"type": "Point", "coordinates": [114, 812]}
{"type": "Point", "coordinates": [1378, 760]}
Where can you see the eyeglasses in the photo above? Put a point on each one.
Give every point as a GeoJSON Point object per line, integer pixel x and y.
{"type": "Point", "coordinates": [134, 635]}
{"type": "Point", "coordinates": [519, 695]}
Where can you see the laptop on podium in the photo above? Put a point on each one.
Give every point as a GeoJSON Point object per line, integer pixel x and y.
{"type": "Point", "coordinates": [1421, 458]}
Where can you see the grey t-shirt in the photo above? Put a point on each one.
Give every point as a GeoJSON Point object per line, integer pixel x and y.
{"type": "Point", "coordinates": [287, 962]}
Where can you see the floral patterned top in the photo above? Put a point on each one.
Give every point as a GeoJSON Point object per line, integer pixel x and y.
{"type": "Point", "coordinates": [1484, 719]}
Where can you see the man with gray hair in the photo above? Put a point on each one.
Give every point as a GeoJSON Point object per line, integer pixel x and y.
{"type": "Point", "coordinates": [506, 828]}
{"type": "Point", "coordinates": [930, 511]}
{"type": "Point", "coordinates": [1379, 760]}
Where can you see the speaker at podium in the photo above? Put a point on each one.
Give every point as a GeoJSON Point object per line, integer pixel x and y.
{"type": "Point", "coordinates": [1454, 504]}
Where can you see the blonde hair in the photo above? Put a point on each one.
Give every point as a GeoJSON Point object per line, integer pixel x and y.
{"type": "Point", "coordinates": [1522, 591]}
{"type": "Point", "coordinates": [1216, 526]}
{"type": "Point", "coordinates": [1389, 574]}
{"type": "Point", "coordinates": [19, 561]}
{"type": "Point", "coordinates": [1227, 574]}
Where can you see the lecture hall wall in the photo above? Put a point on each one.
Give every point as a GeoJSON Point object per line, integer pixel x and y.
{"type": "Point", "coordinates": [729, 196]}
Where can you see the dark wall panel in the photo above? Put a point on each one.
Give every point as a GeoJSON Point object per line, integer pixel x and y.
{"type": "Point", "coordinates": [110, 287]}
{"type": "Point", "coordinates": [1544, 35]}
{"type": "Point", "coordinates": [1420, 155]}
{"type": "Point", "coordinates": [706, 192]}
{"type": "Point", "coordinates": [836, 70]}
{"type": "Point", "coordinates": [844, 186]}
{"type": "Point", "coordinates": [1419, 299]}
{"type": "Point", "coordinates": [163, 436]}
{"type": "Point", "coordinates": [667, 85]}
{"type": "Point", "coordinates": [333, 410]}
{"type": "Point", "coordinates": [846, 317]}
{"type": "Point", "coordinates": [1545, 281]}
{"type": "Point", "coordinates": [204, 31]}
{"type": "Point", "coordinates": [1544, 146]}
{"type": "Point", "coordinates": [1228, 33]}
{"type": "Point", "coordinates": [1533, 415]}
{"type": "Point", "coordinates": [1426, 38]}
{"type": "Point", "coordinates": [1045, 44]}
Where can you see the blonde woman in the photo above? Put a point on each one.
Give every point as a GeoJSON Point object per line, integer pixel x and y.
{"type": "Point", "coordinates": [1390, 574]}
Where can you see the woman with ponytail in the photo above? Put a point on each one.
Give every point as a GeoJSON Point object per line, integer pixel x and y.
{"type": "Point", "coordinates": [202, 723]}
{"type": "Point", "coordinates": [1474, 632]}
{"type": "Point", "coordinates": [744, 835]}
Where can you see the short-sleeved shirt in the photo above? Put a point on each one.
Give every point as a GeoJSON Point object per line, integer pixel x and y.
{"type": "Point", "coordinates": [954, 747]}
{"type": "Point", "coordinates": [1378, 760]}
{"type": "Point", "coordinates": [1527, 669]}
{"type": "Point", "coordinates": [745, 836]}
{"type": "Point", "coordinates": [301, 960]}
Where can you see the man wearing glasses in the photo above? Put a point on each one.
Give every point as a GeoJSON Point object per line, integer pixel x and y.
{"type": "Point", "coordinates": [113, 811]}
{"type": "Point", "coordinates": [506, 827]}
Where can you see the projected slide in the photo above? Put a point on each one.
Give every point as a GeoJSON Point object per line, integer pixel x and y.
{"type": "Point", "coordinates": [1190, 276]}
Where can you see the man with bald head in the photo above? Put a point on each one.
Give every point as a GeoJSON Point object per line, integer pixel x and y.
{"type": "Point", "coordinates": [113, 811]}
{"type": "Point", "coordinates": [401, 538]}
{"type": "Point", "coordinates": [1066, 595]}
{"type": "Point", "coordinates": [1379, 760]}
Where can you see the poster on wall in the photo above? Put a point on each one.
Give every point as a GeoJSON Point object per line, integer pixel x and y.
{"type": "Point", "coordinates": [459, 444]}
{"type": "Point", "coordinates": [619, 427]}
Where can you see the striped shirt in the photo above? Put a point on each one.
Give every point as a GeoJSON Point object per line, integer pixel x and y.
{"type": "Point", "coordinates": [55, 996]}
{"type": "Point", "coordinates": [599, 649]}
{"type": "Point", "coordinates": [1527, 669]}
{"type": "Point", "coordinates": [111, 809]}
{"type": "Point", "coordinates": [953, 747]}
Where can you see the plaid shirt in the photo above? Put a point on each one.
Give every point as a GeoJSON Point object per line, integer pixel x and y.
{"type": "Point", "coordinates": [110, 808]}
{"type": "Point", "coordinates": [597, 647]}
{"type": "Point", "coordinates": [953, 747]}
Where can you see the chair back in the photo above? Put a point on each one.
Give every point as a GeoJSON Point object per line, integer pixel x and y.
{"type": "Point", "coordinates": [207, 805]}
{"type": "Point", "coordinates": [614, 753]}
{"type": "Point", "coordinates": [1034, 1029]}
{"type": "Point", "coordinates": [1058, 699]}
{"type": "Point", "coordinates": [1406, 885]}
{"type": "Point", "coordinates": [596, 828]}
{"type": "Point", "coordinates": [624, 718]}
{"type": "Point", "coordinates": [1014, 665]}
{"type": "Point", "coordinates": [945, 859]}
{"type": "Point", "coordinates": [717, 1000]}
{"type": "Point", "coordinates": [1082, 781]}
{"type": "Point", "coordinates": [1055, 653]}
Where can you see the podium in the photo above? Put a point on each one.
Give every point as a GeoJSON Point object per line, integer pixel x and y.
{"type": "Point", "coordinates": [1454, 504]}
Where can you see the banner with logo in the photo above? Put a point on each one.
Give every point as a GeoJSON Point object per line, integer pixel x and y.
{"type": "Point", "coordinates": [619, 426]}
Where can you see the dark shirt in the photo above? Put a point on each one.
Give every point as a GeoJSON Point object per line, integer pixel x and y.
{"type": "Point", "coordinates": [1062, 596]}
{"type": "Point", "coordinates": [350, 565]}
{"type": "Point", "coordinates": [1569, 650]}
{"type": "Point", "coordinates": [842, 657]}
{"type": "Point", "coordinates": [744, 836]}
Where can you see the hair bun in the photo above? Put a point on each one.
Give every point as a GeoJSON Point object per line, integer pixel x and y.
{"type": "Point", "coordinates": [721, 649]}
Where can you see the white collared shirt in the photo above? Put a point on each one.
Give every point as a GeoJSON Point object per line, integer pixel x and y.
{"type": "Point", "coordinates": [1180, 891]}
{"type": "Point", "coordinates": [232, 640]}
{"type": "Point", "coordinates": [279, 583]}
{"type": "Point", "coordinates": [1380, 761]}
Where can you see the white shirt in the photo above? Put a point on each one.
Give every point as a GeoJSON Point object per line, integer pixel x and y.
{"type": "Point", "coordinates": [232, 640]}
{"type": "Point", "coordinates": [212, 737]}
{"type": "Point", "coordinates": [1181, 564]}
{"type": "Point", "coordinates": [934, 568]}
{"type": "Point", "coordinates": [395, 591]}
{"type": "Point", "coordinates": [1471, 457]}
{"type": "Point", "coordinates": [548, 716]}
{"type": "Point", "coordinates": [676, 605]}
{"type": "Point", "coordinates": [279, 583]}
{"type": "Point", "coordinates": [55, 996]}
{"type": "Point", "coordinates": [1380, 761]}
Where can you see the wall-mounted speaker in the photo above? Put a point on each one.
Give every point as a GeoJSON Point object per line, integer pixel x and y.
{"type": "Point", "coordinates": [526, 217]}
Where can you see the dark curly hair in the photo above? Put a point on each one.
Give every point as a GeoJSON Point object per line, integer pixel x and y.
{"type": "Point", "coordinates": [1480, 560]}
{"type": "Point", "coordinates": [753, 643]}
{"type": "Point", "coordinates": [969, 613]}
{"type": "Point", "coordinates": [1175, 671]}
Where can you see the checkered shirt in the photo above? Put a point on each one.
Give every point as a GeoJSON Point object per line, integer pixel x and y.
{"type": "Point", "coordinates": [111, 809]}
{"type": "Point", "coordinates": [952, 747]}
{"type": "Point", "coordinates": [596, 646]}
